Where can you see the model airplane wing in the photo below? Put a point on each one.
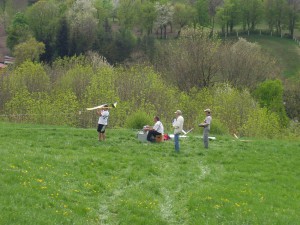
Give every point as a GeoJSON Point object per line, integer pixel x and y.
{"type": "Point", "coordinates": [114, 105]}
{"type": "Point", "coordinates": [96, 107]}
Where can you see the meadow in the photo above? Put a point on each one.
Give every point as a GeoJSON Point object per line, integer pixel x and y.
{"type": "Point", "coordinates": [63, 175]}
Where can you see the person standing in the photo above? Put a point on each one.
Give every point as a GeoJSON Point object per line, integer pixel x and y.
{"type": "Point", "coordinates": [157, 129]}
{"type": "Point", "coordinates": [206, 126]}
{"type": "Point", "coordinates": [102, 122]}
{"type": "Point", "coordinates": [178, 127]}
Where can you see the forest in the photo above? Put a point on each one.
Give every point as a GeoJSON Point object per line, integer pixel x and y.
{"type": "Point", "coordinates": [153, 57]}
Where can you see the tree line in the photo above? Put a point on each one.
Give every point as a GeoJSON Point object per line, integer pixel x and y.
{"type": "Point", "coordinates": [37, 93]}
{"type": "Point", "coordinates": [115, 29]}
{"type": "Point", "coordinates": [65, 51]}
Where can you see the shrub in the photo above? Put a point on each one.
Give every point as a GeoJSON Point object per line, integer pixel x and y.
{"type": "Point", "coordinates": [138, 119]}
{"type": "Point", "coordinates": [262, 123]}
{"type": "Point", "coordinates": [217, 127]}
{"type": "Point", "coordinates": [270, 95]}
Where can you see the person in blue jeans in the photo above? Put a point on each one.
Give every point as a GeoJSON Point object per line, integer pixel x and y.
{"type": "Point", "coordinates": [178, 127]}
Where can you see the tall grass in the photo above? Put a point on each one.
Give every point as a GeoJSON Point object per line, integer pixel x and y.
{"type": "Point", "coordinates": [62, 175]}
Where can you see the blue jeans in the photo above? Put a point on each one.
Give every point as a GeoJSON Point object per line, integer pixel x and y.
{"type": "Point", "coordinates": [176, 141]}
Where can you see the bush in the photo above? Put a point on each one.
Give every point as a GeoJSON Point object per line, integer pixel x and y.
{"type": "Point", "coordinates": [138, 119]}
{"type": "Point", "coordinates": [262, 123]}
{"type": "Point", "coordinates": [217, 127]}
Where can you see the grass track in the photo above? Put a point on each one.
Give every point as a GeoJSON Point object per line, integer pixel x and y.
{"type": "Point", "coordinates": [61, 175]}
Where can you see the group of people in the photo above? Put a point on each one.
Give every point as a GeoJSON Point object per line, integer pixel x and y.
{"type": "Point", "coordinates": [157, 128]}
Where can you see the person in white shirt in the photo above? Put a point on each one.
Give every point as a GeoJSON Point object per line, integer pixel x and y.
{"type": "Point", "coordinates": [102, 122]}
{"type": "Point", "coordinates": [157, 129]}
{"type": "Point", "coordinates": [178, 127]}
{"type": "Point", "coordinates": [206, 126]}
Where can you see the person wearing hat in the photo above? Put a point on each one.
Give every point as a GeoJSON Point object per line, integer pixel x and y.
{"type": "Point", "coordinates": [178, 127]}
{"type": "Point", "coordinates": [102, 122]}
{"type": "Point", "coordinates": [206, 126]}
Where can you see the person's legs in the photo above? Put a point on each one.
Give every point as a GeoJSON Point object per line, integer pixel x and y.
{"type": "Point", "coordinates": [205, 137]}
{"type": "Point", "coordinates": [150, 136]}
{"type": "Point", "coordinates": [176, 142]}
{"type": "Point", "coordinates": [101, 132]}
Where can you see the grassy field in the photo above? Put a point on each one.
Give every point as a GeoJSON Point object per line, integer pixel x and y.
{"type": "Point", "coordinates": [61, 175]}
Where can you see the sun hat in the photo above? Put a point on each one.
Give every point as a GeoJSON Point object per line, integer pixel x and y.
{"type": "Point", "coordinates": [207, 110]}
{"type": "Point", "coordinates": [178, 112]}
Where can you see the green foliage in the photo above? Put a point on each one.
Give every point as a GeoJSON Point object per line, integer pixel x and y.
{"type": "Point", "coordinates": [293, 130]}
{"type": "Point", "coordinates": [138, 119]}
{"type": "Point", "coordinates": [18, 31]}
{"type": "Point", "coordinates": [218, 127]}
{"type": "Point", "coordinates": [81, 82]}
{"type": "Point", "coordinates": [231, 106]}
{"type": "Point", "coordinates": [64, 109]}
{"type": "Point", "coordinates": [18, 107]}
{"type": "Point", "coordinates": [77, 79]}
{"type": "Point", "coordinates": [270, 95]}
{"type": "Point", "coordinates": [29, 50]}
{"type": "Point", "coordinates": [262, 123]}
{"type": "Point", "coordinates": [83, 24]}
{"type": "Point", "coordinates": [121, 47]}
{"type": "Point", "coordinates": [30, 76]}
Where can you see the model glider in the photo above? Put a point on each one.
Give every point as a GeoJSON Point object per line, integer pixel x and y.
{"type": "Point", "coordinates": [113, 105]}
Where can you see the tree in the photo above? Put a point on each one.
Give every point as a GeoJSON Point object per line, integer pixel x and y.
{"type": "Point", "coordinates": [251, 13]}
{"type": "Point", "coordinates": [293, 15]}
{"type": "Point", "coordinates": [270, 95]}
{"type": "Point", "coordinates": [6, 9]}
{"type": "Point", "coordinates": [276, 13]}
{"type": "Point", "coordinates": [29, 76]}
{"type": "Point", "coordinates": [191, 60]}
{"type": "Point", "coordinates": [183, 15]}
{"type": "Point", "coordinates": [30, 50]}
{"type": "Point", "coordinates": [164, 17]}
{"type": "Point", "coordinates": [83, 25]}
{"type": "Point", "coordinates": [62, 39]}
{"type": "Point", "coordinates": [212, 9]}
{"type": "Point", "coordinates": [228, 15]}
{"type": "Point", "coordinates": [127, 13]}
{"type": "Point", "coordinates": [203, 13]}
{"type": "Point", "coordinates": [244, 64]}
{"type": "Point", "coordinates": [18, 31]}
{"type": "Point", "coordinates": [43, 18]}
{"type": "Point", "coordinates": [292, 99]}
{"type": "Point", "coordinates": [147, 16]}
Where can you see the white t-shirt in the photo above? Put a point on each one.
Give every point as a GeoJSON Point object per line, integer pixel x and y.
{"type": "Point", "coordinates": [158, 126]}
{"type": "Point", "coordinates": [103, 119]}
{"type": "Point", "coordinates": [178, 125]}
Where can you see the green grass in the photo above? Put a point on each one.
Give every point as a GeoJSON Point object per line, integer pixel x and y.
{"type": "Point", "coordinates": [61, 175]}
{"type": "Point", "coordinates": [286, 51]}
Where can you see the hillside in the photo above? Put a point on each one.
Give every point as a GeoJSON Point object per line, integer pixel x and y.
{"type": "Point", "coordinates": [286, 51]}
